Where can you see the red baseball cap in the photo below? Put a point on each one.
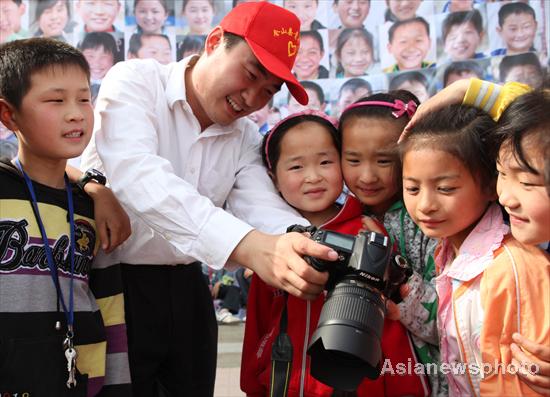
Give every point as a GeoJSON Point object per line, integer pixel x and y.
{"type": "Point", "coordinates": [273, 34]}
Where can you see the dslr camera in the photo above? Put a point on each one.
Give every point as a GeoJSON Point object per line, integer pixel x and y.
{"type": "Point", "coordinates": [346, 346]}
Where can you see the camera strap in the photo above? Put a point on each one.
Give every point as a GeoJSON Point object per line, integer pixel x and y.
{"type": "Point", "coordinates": [281, 358]}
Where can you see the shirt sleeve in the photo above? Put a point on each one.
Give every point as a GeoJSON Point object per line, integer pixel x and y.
{"type": "Point", "coordinates": [491, 97]}
{"type": "Point", "coordinates": [127, 143]}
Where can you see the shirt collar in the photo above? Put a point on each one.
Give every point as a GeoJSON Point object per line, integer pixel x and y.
{"type": "Point", "coordinates": [175, 87]}
{"type": "Point", "coordinates": [476, 252]}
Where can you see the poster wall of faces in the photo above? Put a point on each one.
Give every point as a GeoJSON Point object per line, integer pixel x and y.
{"type": "Point", "coordinates": [349, 48]}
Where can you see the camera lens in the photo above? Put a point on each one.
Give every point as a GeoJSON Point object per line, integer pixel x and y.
{"type": "Point", "coordinates": [345, 348]}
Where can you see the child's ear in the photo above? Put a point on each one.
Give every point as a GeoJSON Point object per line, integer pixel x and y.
{"type": "Point", "coordinates": [7, 115]}
{"type": "Point", "coordinates": [214, 40]}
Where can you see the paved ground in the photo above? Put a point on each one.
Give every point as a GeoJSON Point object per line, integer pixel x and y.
{"type": "Point", "coordinates": [230, 343]}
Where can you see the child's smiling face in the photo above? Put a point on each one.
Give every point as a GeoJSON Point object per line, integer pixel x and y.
{"type": "Point", "coordinates": [523, 194]}
{"type": "Point", "coordinates": [462, 41]}
{"type": "Point", "coordinates": [518, 32]}
{"type": "Point", "coordinates": [410, 45]}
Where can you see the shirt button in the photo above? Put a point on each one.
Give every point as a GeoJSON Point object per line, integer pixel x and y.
{"type": "Point", "coordinates": [192, 170]}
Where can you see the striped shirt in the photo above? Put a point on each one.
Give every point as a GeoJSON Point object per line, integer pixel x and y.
{"type": "Point", "coordinates": [29, 306]}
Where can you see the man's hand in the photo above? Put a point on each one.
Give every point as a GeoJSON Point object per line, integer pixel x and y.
{"type": "Point", "coordinates": [278, 261]}
{"type": "Point", "coordinates": [539, 382]}
{"type": "Point", "coordinates": [112, 222]}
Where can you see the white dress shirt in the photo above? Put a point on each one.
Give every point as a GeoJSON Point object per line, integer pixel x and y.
{"type": "Point", "coordinates": [172, 179]}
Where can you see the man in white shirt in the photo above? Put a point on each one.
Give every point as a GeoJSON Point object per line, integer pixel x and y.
{"type": "Point", "coordinates": [176, 147]}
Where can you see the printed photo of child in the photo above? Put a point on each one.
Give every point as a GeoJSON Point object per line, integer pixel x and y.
{"type": "Point", "coordinates": [354, 53]}
{"type": "Point", "coordinates": [11, 26]}
{"type": "Point", "coordinates": [409, 46]}
{"type": "Point", "coordinates": [150, 46]}
{"type": "Point", "coordinates": [462, 36]}
{"type": "Point", "coordinates": [100, 15]}
{"type": "Point", "coordinates": [516, 27]}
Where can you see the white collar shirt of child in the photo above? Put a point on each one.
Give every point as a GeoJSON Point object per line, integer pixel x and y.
{"type": "Point", "coordinates": [173, 180]}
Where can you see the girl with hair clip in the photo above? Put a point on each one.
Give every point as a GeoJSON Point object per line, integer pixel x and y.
{"type": "Point", "coordinates": [372, 172]}
{"type": "Point", "coordinates": [302, 156]}
{"type": "Point", "coordinates": [523, 124]}
{"type": "Point", "coordinates": [354, 52]}
{"type": "Point", "coordinates": [488, 283]}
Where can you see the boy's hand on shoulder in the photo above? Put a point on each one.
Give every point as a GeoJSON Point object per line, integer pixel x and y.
{"type": "Point", "coordinates": [112, 222]}
{"type": "Point", "coordinates": [539, 357]}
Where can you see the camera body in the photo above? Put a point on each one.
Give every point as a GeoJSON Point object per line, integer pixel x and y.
{"type": "Point", "coordinates": [346, 346]}
{"type": "Point", "coordinates": [368, 257]}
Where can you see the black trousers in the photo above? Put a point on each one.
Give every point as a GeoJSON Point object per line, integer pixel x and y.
{"type": "Point", "coordinates": [172, 330]}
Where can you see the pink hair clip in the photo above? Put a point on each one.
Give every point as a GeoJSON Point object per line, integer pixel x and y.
{"type": "Point", "coordinates": [307, 112]}
{"type": "Point", "coordinates": [400, 107]}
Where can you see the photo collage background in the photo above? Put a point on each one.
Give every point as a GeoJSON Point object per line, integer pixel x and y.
{"type": "Point", "coordinates": [349, 48]}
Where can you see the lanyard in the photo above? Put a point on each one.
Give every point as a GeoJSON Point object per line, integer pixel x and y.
{"type": "Point", "coordinates": [69, 313]}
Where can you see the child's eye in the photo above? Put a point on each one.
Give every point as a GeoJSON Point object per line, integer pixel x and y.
{"type": "Point", "coordinates": [445, 189]}
{"type": "Point", "coordinates": [353, 161]}
{"type": "Point", "coordinates": [295, 167]}
{"type": "Point", "coordinates": [411, 190]}
{"type": "Point", "coordinates": [384, 162]}
{"type": "Point", "coordinates": [530, 185]}
{"type": "Point", "coordinates": [54, 100]}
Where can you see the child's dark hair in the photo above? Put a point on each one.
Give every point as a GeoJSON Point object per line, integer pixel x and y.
{"type": "Point", "coordinates": [136, 41]}
{"type": "Point", "coordinates": [514, 8]}
{"type": "Point", "coordinates": [311, 85]}
{"type": "Point", "coordinates": [95, 40]}
{"type": "Point", "coordinates": [271, 144]}
{"type": "Point", "coordinates": [465, 132]}
{"type": "Point", "coordinates": [460, 18]}
{"type": "Point", "coordinates": [460, 67]}
{"type": "Point", "coordinates": [408, 77]}
{"type": "Point", "coordinates": [43, 5]}
{"type": "Point", "coordinates": [346, 35]}
{"type": "Point", "coordinates": [185, 2]}
{"type": "Point", "coordinates": [404, 22]}
{"type": "Point", "coordinates": [527, 117]}
{"type": "Point", "coordinates": [314, 34]}
{"type": "Point", "coordinates": [510, 61]}
{"type": "Point", "coordinates": [21, 58]}
{"type": "Point", "coordinates": [163, 3]}
{"type": "Point", "coordinates": [378, 111]}
{"type": "Point", "coordinates": [354, 84]}
{"type": "Point", "coordinates": [190, 43]}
